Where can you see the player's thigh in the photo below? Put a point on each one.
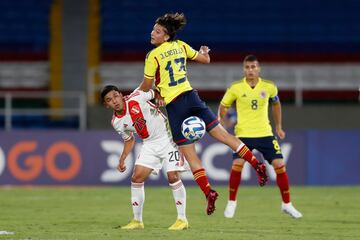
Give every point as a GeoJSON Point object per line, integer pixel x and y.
{"type": "Point", "coordinates": [177, 111]}
{"type": "Point", "coordinates": [269, 147]}
{"type": "Point", "coordinates": [148, 157]}
{"type": "Point", "coordinates": [171, 158]}
{"type": "Point", "coordinates": [201, 110]}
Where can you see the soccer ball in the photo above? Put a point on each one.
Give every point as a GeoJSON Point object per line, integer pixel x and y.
{"type": "Point", "coordinates": [193, 128]}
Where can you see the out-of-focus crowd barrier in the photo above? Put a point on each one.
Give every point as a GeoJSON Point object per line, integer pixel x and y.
{"type": "Point", "coordinates": [90, 158]}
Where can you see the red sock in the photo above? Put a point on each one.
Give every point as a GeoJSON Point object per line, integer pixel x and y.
{"type": "Point", "coordinates": [282, 181]}
{"type": "Point", "coordinates": [234, 181]}
{"type": "Point", "coordinates": [245, 153]}
{"type": "Point", "coordinates": [202, 180]}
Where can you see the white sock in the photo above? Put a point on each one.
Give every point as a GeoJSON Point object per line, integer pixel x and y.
{"type": "Point", "coordinates": [240, 147]}
{"type": "Point", "coordinates": [179, 193]}
{"type": "Point", "coordinates": [137, 199]}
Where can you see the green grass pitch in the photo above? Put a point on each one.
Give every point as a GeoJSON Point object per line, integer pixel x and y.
{"type": "Point", "coordinates": [97, 212]}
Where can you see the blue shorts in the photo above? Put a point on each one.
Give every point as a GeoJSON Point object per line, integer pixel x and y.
{"type": "Point", "coordinates": [183, 106]}
{"type": "Point", "coordinates": [268, 146]}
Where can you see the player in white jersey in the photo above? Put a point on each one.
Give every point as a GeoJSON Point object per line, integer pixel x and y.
{"type": "Point", "coordinates": [136, 114]}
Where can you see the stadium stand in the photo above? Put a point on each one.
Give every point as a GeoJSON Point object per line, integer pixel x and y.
{"type": "Point", "coordinates": [276, 31]}
{"type": "Point", "coordinates": [305, 47]}
{"type": "Point", "coordinates": [24, 26]}
{"type": "Point", "coordinates": [310, 48]}
{"type": "Point", "coordinates": [24, 66]}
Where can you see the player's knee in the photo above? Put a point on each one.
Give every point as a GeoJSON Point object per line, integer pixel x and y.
{"type": "Point", "coordinates": [277, 163]}
{"type": "Point", "coordinates": [237, 166]}
{"type": "Point", "coordinates": [281, 169]}
{"type": "Point", "coordinates": [137, 178]}
{"type": "Point", "coordinates": [238, 161]}
{"type": "Point", "coordinates": [173, 177]}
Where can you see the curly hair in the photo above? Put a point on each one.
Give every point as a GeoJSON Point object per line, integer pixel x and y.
{"type": "Point", "coordinates": [172, 22]}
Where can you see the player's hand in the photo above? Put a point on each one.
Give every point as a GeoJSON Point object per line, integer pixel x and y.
{"type": "Point", "coordinates": [181, 159]}
{"type": "Point", "coordinates": [121, 167]}
{"type": "Point", "coordinates": [159, 100]}
{"type": "Point", "coordinates": [280, 133]}
{"type": "Point", "coordinates": [204, 50]}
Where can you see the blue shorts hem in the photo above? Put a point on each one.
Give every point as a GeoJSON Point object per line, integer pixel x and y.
{"type": "Point", "coordinates": [183, 141]}
{"type": "Point", "coordinates": [212, 125]}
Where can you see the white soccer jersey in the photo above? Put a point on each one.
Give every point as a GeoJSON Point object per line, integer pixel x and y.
{"type": "Point", "coordinates": [142, 117]}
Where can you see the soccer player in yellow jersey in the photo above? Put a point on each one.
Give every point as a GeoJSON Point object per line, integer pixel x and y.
{"type": "Point", "coordinates": [166, 66]}
{"type": "Point", "coordinates": [252, 95]}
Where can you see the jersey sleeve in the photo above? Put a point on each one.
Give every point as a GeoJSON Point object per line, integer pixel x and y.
{"type": "Point", "coordinates": [274, 93]}
{"type": "Point", "coordinates": [150, 66]}
{"type": "Point", "coordinates": [147, 96]}
{"type": "Point", "coordinates": [190, 52]}
{"type": "Point", "coordinates": [229, 98]}
{"type": "Point", "coordinates": [126, 136]}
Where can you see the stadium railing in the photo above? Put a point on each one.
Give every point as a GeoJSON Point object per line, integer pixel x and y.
{"type": "Point", "coordinates": [337, 82]}
{"type": "Point", "coordinates": [74, 104]}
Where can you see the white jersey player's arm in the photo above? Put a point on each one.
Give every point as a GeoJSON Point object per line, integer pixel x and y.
{"type": "Point", "coordinates": [128, 147]}
{"type": "Point", "coordinates": [147, 96]}
{"type": "Point", "coordinates": [125, 135]}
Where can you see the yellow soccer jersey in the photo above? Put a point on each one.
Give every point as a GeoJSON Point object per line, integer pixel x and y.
{"type": "Point", "coordinates": [167, 65]}
{"type": "Point", "coordinates": [252, 107]}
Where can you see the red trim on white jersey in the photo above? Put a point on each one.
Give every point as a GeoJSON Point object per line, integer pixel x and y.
{"type": "Point", "coordinates": [138, 119]}
{"type": "Point", "coordinates": [157, 109]}
{"type": "Point", "coordinates": [129, 138]}
{"type": "Point", "coordinates": [152, 93]}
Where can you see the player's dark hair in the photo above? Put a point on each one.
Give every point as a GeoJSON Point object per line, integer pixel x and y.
{"type": "Point", "coordinates": [173, 22]}
{"type": "Point", "coordinates": [106, 90]}
{"type": "Point", "coordinates": [250, 58]}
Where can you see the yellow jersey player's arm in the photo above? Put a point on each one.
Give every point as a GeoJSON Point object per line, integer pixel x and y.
{"type": "Point", "coordinates": [149, 72]}
{"type": "Point", "coordinates": [225, 104]}
{"type": "Point", "coordinates": [277, 115]}
{"type": "Point", "coordinates": [146, 84]}
{"type": "Point", "coordinates": [222, 111]}
{"type": "Point", "coordinates": [203, 56]}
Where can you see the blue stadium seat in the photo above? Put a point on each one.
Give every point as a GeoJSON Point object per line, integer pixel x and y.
{"type": "Point", "coordinates": [24, 25]}
{"type": "Point", "coordinates": [283, 26]}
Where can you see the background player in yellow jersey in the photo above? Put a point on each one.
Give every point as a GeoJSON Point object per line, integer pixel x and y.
{"type": "Point", "coordinates": [252, 95]}
{"type": "Point", "coordinates": [166, 65]}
